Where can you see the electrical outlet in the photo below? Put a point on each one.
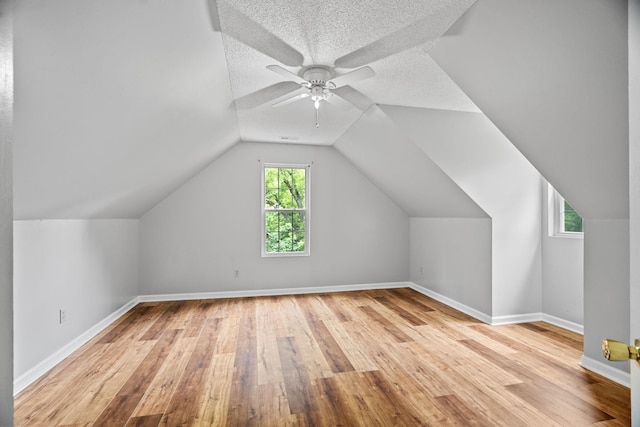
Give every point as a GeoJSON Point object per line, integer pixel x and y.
{"type": "Point", "coordinates": [62, 315]}
{"type": "Point", "coordinates": [236, 273]}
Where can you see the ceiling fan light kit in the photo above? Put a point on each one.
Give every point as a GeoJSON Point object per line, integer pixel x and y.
{"type": "Point", "coordinates": [316, 79]}
{"type": "Point", "coordinates": [319, 90]}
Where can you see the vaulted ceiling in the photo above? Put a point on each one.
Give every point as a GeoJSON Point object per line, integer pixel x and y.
{"type": "Point", "coordinates": [119, 102]}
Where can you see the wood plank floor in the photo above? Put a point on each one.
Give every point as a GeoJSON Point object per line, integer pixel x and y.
{"type": "Point", "coordinates": [370, 358]}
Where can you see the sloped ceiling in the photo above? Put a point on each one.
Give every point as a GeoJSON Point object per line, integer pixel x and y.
{"type": "Point", "coordinates": [401, 169]}
{"type": "Point", "coordinates": [552, 75]}
{"type": "Point", "coordinates": [117, 103]}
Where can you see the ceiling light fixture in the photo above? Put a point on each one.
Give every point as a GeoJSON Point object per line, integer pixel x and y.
{"type": "Point", "coordinates": [319, 88]}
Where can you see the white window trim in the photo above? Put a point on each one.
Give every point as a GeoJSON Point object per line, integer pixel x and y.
{"type": "Point", "coordinates": [307, 210]}
{"type": "Point", "coordinates": [556, 216]}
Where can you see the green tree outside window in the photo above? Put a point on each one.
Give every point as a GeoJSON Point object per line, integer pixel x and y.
{"type": "Point", "coordinates": [285, 209]}
{"type": "Point", "coordinates": [572, 221]}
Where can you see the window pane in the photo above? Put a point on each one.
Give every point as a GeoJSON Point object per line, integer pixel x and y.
{"type": "Point", "coordinates": [572, 221]}
{"type": "Point", "coordinates": [271, 198]}
{"type": "Point", "coordinates": [272, 242]}
{"type": "Point", "coordinates": [298, 241]}
{"type": "Point", "coordinates": [286, 198]}
{"type": "Point", "coordinates": [271, 188]}
{"type": "Point", "coordinates": [290, 181]}
{"type": "Point", "coordinates": [285, 241]}
{"type": "Point", "coordinates": [297, 221]}
{"type": "Point", "coordinates": [271, 177]}
{"type": "Point", "coordinates": [299, 184]}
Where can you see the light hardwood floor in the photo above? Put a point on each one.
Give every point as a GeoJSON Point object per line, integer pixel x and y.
{"type": "Point", "coordinates": [366, 358]}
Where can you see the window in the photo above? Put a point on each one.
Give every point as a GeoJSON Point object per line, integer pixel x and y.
{"type": "Point", "coordinates": [285, 210]}
{"type": "Point", "coordinates": [564, 221]}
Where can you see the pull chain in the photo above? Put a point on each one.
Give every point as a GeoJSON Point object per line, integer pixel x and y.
{"type": "Point", "coordinates": [317, 124]}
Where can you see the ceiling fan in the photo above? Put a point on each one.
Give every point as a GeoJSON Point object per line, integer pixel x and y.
{"type": "Point", "coordinates": [316, 83]}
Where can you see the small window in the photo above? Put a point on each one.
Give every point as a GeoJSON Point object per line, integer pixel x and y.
{"type": "Point", "coordinates": [564, 221]}
{"type": "Point", "coordinates": [285, 210]}
{"type": "Point", "coordinates": [571, 221]}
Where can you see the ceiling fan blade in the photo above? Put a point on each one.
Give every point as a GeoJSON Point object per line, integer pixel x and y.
{"type": "Point", "coordinates": [214, 18]}
{"type": "Point", "coordinates": [287, 74]}
{"type": "Point", "coordinates": [265, 95]}
{"type": "Point", "coordinates": [242, 28]}
{"type": "Point", "coordinates": [291, 100]}
{"type": "Point", "coordinates": [424, 31]}
{"type": "Point", "coordinates": [353, 76]}
{"type": "Point", "coordinates": [358, 99]}
{"type": "Point", "coordinates": [340, 102]}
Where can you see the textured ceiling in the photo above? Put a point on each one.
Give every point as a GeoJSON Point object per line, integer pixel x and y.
{"type": "Point", "coordinates": [391, 37]}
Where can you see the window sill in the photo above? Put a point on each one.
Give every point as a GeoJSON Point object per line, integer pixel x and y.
{"type": "Point", "coordinates": [568, 235]}
{"type": "Point", "coordinates": [284, 254]}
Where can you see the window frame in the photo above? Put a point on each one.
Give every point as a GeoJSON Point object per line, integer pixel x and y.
{"type": "Point", "coordinates": [306, 210]}
{"type": "Point", "coordinates": [556, 216]}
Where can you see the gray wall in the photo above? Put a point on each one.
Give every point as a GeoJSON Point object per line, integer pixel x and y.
{"type": "Point", "coordinates": [562, 272]}
{"type": "Point", "coordinates": [452, 257]}
{"type": "Point", "coordinates": [6, 214]}
{"type": "Point", "coordinates": [89, 268]}
{"type": "Point", "coordinates": [195, 239]}
{"type": "Point", "coordinates": [606, 285]}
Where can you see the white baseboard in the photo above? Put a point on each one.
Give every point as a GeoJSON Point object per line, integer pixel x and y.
{"type": "Point", "coordinates": [513, 319]}
{"type": "Point", "coordinates": [47, 364]}
{"type": "Point", "coordinates": [564, 324]}
{"type": "Point", "coordinates": [499, 320]}
{"type": "Point", "coordinates": [607, 370]}
{"type": "Point", "coordinates": [452, 303]}
{"type": "Point", "coordinates": [271, 292]}
{"type": "Point", "coordinates": [539, 317]}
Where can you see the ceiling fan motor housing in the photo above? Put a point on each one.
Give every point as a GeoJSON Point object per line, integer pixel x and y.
{"type": "Point", "coordinates": [317, 76]}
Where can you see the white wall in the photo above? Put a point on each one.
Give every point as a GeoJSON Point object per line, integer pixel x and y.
{"type": "Point", "coordinates": [6, 214]}
{"type": "Point", "coordinates": [606, 285]}
{"type": "Point", "coordinates": [87, 267]}
{"type": "Point", "coordinates": [195, 239]}
{"type": "Point", "coordinates": [486, 166]}
{"type": "Point", "coordinates": [452, 256]}
{"type": "Point", "coordinates": [562, 272]}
